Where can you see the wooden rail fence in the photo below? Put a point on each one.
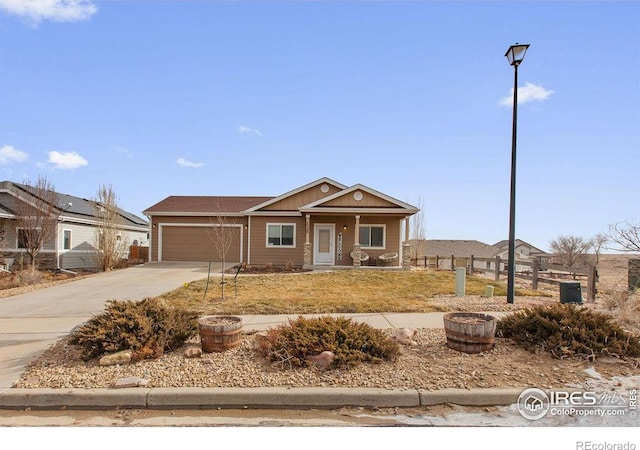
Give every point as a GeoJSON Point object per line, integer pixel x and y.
{"type": "Point", "coordinates": [535, 269]}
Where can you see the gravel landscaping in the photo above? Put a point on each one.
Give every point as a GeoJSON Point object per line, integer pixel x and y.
{"type": "Point", "coordinates": [429, 365]}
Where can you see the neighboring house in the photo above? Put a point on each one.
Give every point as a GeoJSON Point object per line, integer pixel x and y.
{"type": "Point", "coordinates": [74, 245]}
{"type": "Point", "coordinates": [462, 249]}
{"type": "Point", "coordinates": [524, 250]}
{"type": "Point", "coordinates": [323, 223]}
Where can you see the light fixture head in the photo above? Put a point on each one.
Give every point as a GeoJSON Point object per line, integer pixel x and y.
{"type": "Point", "coordinates": [516, 52]}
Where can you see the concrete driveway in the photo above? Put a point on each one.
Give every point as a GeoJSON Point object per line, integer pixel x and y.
{"type": "Point", "coordinates": [30, 323]}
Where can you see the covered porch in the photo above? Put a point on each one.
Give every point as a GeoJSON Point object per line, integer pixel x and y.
{"type": "Point", "coordinates": [348, 240]}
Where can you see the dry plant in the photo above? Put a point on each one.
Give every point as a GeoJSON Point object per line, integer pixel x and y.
{"type": "Point", "coordinates": [110, 247]}
{"type": "Point", "coordinates": [624, 306]}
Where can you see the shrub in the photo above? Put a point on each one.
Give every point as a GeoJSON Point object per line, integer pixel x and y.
{"type": "Point", "coordinates": [146, 327]}
{"type": "Point", "coordinates": [351, 342]}
{"type": "Point", "coordinates": [566, 330]}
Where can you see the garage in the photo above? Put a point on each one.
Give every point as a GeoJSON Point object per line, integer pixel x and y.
{"type": "Point", "coordinates": [199, 242]}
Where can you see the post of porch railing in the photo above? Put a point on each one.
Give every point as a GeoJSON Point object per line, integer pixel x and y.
{"type": "Point", "coordinates": [497, 273]}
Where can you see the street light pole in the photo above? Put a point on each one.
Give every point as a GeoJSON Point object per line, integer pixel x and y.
{"type": "Point", "coordinates": [515, 55]}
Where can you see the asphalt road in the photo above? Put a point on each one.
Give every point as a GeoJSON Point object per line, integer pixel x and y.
{"type": "Point", "coordinates": [32, 322]}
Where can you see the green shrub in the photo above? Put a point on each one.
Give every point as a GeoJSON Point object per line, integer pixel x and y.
{"type": "Point", "coordinates": [351, 342]}
{"type": "Point", "coordinates": [146, 327]}
{"type": "Point", "coordinates": [566, 330]}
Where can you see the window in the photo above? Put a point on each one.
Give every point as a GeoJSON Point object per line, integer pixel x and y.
{"type": "Point", "coordinates": [372, 236]}
{"type": "Point", "coordinates": [66, 240]}
{"type": "Point", "coordinates": [281, 235]}
{"type": "Point", "coordinates": [28, 236]}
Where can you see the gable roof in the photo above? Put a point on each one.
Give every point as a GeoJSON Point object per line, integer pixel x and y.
{"type": "Point", "coordinates": [285, 204]}
{"type": "Point", "coordinates": [389, 204]}
{"type": "Point", "coordinates": [68, 206]}
{"type": "Point", "coordinates": [505, 244]}
{"type": "Point", "coordinates": [296, 191]}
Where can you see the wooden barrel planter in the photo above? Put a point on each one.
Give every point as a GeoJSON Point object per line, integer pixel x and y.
{"type": "Point", "coordinates": [470, 332]}
{"type": "Point", "coordinates": [219, 333]}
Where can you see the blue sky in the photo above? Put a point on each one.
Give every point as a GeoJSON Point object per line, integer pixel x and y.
{"type": "Point", "coordinates": [411, 98]}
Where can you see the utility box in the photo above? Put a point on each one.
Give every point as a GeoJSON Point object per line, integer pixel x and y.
{"type": "Point", "coordinates": [570, 292]}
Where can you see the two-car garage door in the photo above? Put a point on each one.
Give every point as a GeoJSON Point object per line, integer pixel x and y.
{"type": "Point", "coordinates": [199, 243]}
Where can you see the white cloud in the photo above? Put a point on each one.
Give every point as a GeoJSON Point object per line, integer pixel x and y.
{"type": "Point", "coordinates": [244, 130]}
{"type": "Point", "coordinates": [55, 10]}
{"type": "Point", "coordinates": [186, 163]}
{"type": "Point", "coordinates": [528, 93]}
{"type": "Point", "coordinates": [67, 160]}
{"type": "Point", "coordinates": [9, 154]}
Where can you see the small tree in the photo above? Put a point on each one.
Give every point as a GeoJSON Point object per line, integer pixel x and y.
{"type": "Point", "coordinates": [222, 236]}
{"type": "Point", "coordinates": [625, 236]}
{"type": "Point", "coordinates": [418, 230]}
{"type": "Point", "coordinates": [110, 246]}
{"type": "Point", "coordinates": [570, 251]}
{"type": "Point", "coordinates": [37, 213]}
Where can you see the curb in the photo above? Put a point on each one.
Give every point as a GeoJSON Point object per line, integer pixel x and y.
{"type": "Point", "coordinates": [254, 398]}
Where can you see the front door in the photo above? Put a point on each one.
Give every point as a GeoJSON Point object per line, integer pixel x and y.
{"type": "Point", "coordinates": [323, 253]}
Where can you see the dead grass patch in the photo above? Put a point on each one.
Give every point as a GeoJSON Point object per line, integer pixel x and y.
{"type": "Point", "coordinates": [344, 291]}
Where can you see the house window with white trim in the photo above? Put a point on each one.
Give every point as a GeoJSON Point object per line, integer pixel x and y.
{"type": "Point", "coordinates": [281, 235]}
{"type": "Point", "coordinates": [66, 240]}
{"type": "Point", "coordinates": [372, 236]}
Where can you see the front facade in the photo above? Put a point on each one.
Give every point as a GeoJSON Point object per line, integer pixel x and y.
{"type": "Point", "coordinates": [74, 240]}
{"type": "Point", "coordinates": [323, 223]}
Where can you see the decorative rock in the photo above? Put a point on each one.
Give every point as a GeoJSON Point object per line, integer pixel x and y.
{"type": "Point", "coordinates": [123, 357]}
{"type": "Point", "coordinates": [323, 360]}
{"type": "Point", "coordinates": [405, 336]}
{"type": "Point", "coordinates": [192, 352]}
{"type": "Point", "coordinates": [129, 382]}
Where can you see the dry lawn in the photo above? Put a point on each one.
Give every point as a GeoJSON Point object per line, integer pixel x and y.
{"type": "Point", "coordinates": [342, 291]}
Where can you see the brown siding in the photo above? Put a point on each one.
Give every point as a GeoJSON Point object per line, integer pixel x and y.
{"type": "Point", "coordinates": [261, 254]}
{"type": "Point", "coordinates": [300, 199]}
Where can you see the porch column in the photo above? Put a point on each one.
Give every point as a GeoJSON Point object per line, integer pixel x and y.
{"type": "Point", "coordinates": [406, 247]}
{"type": "Point", "coordinates": [307, 243]}
{"type": "Point", "coordinates": [356, 244]}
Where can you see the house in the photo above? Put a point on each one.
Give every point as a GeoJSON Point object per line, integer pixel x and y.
{"type": "Point", "coordinates": [75, 233]}
{"type": "Point", "coordinates": [523, 250]}
{"type": "Point", "coordinates": [323, 223]}
{"type": "Point", "coordinates": [461, 250]}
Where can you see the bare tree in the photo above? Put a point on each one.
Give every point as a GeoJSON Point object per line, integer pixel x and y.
{"type": "Point", "coordinates": [109, 243]}
{"type": "Point", "coordinates": [570, 251]}
{"type": "Point", "coordinates": [625, 236]}
{"type": "Point", "coordinates": [418, 230]}
{"type": "Point", "coordinates": [37, 215]}
{"type": "Point", "coordinates": [222, 235]}
{"type": "Point", "coordinates": [597, 243]}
